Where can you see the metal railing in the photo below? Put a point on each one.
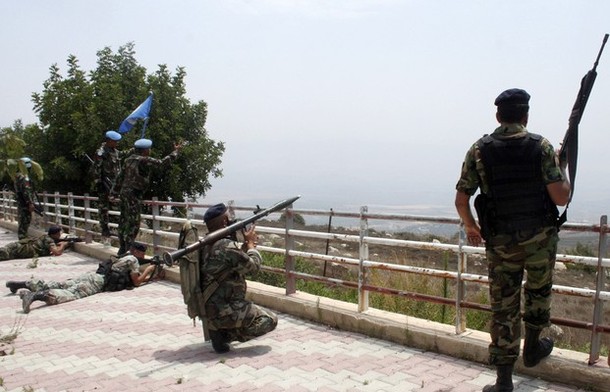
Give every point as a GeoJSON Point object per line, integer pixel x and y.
{"type": "Point", "coordinates": [76, 213]}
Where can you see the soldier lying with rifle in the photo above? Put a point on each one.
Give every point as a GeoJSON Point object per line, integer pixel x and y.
{"type": "Point", "coordinates": [50, 244]}
{"type": "Point", "coordinates": [112, 275]}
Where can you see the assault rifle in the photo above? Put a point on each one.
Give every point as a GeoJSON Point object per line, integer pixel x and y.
{"type": "Point", "coordinates": [109, 185]}
{"type": "Point", "coordinates": [568, 152]}
{"type": "Point", "coordinates": [170, 257]}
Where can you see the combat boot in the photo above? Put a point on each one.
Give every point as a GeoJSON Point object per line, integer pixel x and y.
{"type": "Point", "coordinates": [28, 297]}
{"type": "Point", "coordinates": [14, 285]}
{"type": "Point", "coordinates": [504, 380]}
{"type": "Point", "coordinates": [220, 343]}
{"type": "Point", "coordinates": [534, 349]}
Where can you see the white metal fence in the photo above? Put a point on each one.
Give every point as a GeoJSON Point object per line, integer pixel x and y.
{"type": "Point", "coordinates": [78, 215]}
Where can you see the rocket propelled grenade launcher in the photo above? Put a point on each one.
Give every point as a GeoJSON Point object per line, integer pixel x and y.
{"type": "Point", "coordinates": [170, 257]}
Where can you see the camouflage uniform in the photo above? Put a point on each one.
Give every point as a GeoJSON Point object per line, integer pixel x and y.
{"type": "Point", "coordinates": [107, 169]}
{"type": "Point", "coordinates": [509, 255]}
{"type": "Point", "coordinates": [25, 197]}
{"type": "Point", "coordinates": [227, 265]}
{"type": "Point", "coordinates": [136, 178]}
{"type": "Point", "coordinates": [82, 286]}
{"type": "Point", "coordinates": [27, 248]}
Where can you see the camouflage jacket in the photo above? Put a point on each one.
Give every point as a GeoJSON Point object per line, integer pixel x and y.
{"type": "Point", "coordinates": [138, 169]}
{"type": "Point", "coordinates": [473, 173]}
{"type": "Point", "coordinates": [225, 263]}
{"type": "Point", "coordinates": [24, 191]}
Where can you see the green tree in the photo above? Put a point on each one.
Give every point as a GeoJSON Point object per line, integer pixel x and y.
{"type": "Point", "coordinates": [76, 110]}
{"type": "Point", "coordinates": [11, 150]}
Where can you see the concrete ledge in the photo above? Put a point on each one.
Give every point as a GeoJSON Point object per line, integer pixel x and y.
{"type": "Point", "coordinates": [564, 366]}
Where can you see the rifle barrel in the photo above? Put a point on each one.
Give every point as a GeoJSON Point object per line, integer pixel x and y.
{"type": "Point", "coordinates": [170, 257]}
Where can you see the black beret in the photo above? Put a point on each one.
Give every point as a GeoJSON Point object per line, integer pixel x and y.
{"type": "Point", "coordinates": [54, 230]}
{"type": "Point", "coordinates": [214, 212]}
{"type": "Point", "coordinates": [139, 246]}
{"type": "Point", "coordinates": [513, 96]}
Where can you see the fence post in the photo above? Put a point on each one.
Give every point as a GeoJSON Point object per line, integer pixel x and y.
{"type": "Point", "coordinates": [291, 282]}
{"type": "Point", "coordinates": [57, 200]}
{"type": "Point", "coordinates": [460, 317]}
{"type": "Point", "coordinates": [156, 223]}
{"type": "Point", "coordinates": [4, 205]}
{"type": "Point", "coordinates": [363, 295]}
{"type": "Point", "coordinates": [71, 221]}
{"type": "Point", "coordinates": [87, 217]}
{"type": "Point", "coordinates": [599, 286]}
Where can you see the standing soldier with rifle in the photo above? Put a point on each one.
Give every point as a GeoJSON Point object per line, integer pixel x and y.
{"type": "Point", "coordinates": [107, 166]}
{"type": "Point", "coordinates": [135, 179]}
{"type": "Point", "coordinates": [24, 193]}
{"type": "Point", "coordinates": [521, 183]}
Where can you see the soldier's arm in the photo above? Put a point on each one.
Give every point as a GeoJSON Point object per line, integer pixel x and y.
{"type": "Point", "coordinates": [138, 278]}
{"type": "Point", "coordinates": [58, 249]}
{"type": "Point", "coordinates": [471, 227]}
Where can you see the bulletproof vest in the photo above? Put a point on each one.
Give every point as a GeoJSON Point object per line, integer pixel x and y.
{"type": "Point", "coordinates": [517, 198]}
{"type": "Point", "coordinates": [114, 280]}
{"type": "Point", "coordinates": [133, 178]}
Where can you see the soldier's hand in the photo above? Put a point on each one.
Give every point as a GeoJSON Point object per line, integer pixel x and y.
{"type": "Point", "coordinates": [473, 234]}
{"type": "Point", "coordinates": [250, 237]}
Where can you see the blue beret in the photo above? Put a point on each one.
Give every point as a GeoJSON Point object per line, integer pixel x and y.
{"type": "Point", "coordinates": [143, 143]}
{"type": "Point", "coordinates": [113, 135]}
{"type": "Point", "coordinates": [214, 212]}
{"type": "Point", "coordinates": [27, 162]}
{"type": "Point", "coordinates": [513, 96]}
{"type": "Point", "coordinates": [54, 230]}
{"type": "Point", "coordinates": [139, 246]}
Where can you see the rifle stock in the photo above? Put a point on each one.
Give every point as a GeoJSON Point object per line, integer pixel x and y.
{"type": "Point", "coordinates": [170, 257]}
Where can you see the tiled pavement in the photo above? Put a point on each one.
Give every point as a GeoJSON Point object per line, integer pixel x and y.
{"type": "Point", "coordinates": [142, 340]}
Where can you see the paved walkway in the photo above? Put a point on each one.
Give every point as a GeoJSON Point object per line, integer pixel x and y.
{"type": "Point", "coordinates": [142, 340]}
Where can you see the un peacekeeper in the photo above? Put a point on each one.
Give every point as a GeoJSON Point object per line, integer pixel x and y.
{"type": "Point", "coordinates": [521, 183]}
{"type": "Point", "coordinates": [26, 248]}
{"type": "Point", "coordinates": [24, 193]}
{"type": "Point", "coordinates": [107, 169]}
{"type": "Point", "coordinates": [114, 275]}
{"type": "Point", "coordinates": [223, 271]}
{"type": "Point", "coordinates": [135, 180]}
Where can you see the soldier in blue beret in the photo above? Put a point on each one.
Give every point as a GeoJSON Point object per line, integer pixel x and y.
{"type": "Point", "coordinates": [521, 184]}
{"type": "Point", "coordinates": [135, 181]}
{"type": "Point", "coordinates": [221, 268]}
{"type": "Point", "coordinates": [107, 167]}
{"type": "Point", "coordinates": [24, 194]}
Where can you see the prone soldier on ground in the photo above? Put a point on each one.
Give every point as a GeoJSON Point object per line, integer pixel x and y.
{"type": "Point", "coordinates": [50, 244]}
{"type": "Point", "coordinates": [112, 275]}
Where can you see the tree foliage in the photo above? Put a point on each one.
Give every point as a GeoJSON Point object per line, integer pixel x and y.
{"type": "Point", "coordinates": [77, 109]}
{"type": "Point", "coordinates": [11, 151]}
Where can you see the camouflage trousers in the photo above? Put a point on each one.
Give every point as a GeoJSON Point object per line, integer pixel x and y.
{"type": "Point", "coordinates": [25, 218]}
{"type": "Point", "coordinates": [248, 323]}
{"type": "Point", "coordinates": [69, 290]}
{"type": "Point", "coordinates": [104, 206]}
{"type": "Point", "coordinates": [129, 222]}
{"type": "Point", "coordinates": [17, 250]}
{"type": "Point", "coordinates": [509, 256]}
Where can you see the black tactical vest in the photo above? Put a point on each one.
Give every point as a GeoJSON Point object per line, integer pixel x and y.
{"type": "Point", "coordinates": [517, 198]}
{"type": "Point", "coordinates": [114, 280]}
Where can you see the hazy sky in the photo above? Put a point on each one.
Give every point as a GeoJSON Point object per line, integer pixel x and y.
{"type": "Point", "coordinates": [345, 102]}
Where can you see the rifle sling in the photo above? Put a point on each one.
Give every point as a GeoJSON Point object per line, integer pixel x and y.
{"type": "Point", "coordinates": [212, 287]}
